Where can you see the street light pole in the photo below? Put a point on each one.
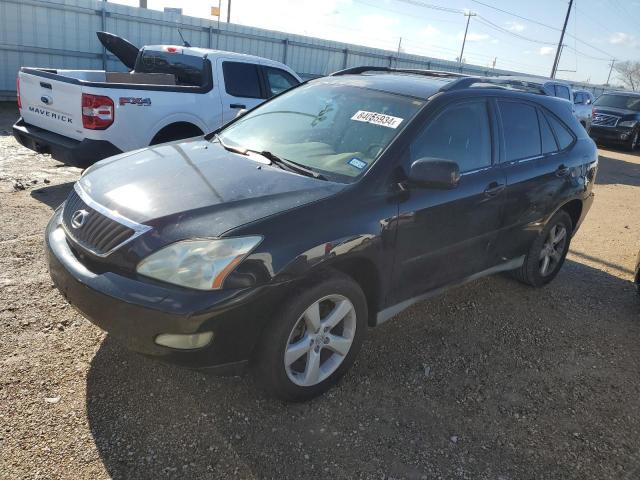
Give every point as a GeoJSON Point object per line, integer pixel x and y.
{"type": "Point", "coordinates": [228, 11]}
{"type": "Point", "coordinates": [468, 15]}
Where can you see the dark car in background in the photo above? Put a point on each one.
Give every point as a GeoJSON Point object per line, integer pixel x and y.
{"type": "Point", "coordinates": [616, 119]}
{"type": "Point", "coordinates": [280, 238]}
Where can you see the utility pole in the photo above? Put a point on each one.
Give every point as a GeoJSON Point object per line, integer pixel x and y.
{"type": "Point", "coordinates": [228, 11]}
{"type": "Point", "coordinates": [556, 62]}
{"type": "Point", "coordinates": [613, 60]}
{"type": "Point", "coordinates": [399, 47]}
{"type": "Point", "coordinates": [495, 59]}
{"type": "Point", "coordinates": [464, 40]}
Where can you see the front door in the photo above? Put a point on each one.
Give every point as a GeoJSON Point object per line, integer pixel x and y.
{"type": "Point", "coordinates": [242, 87]}
{"type": "Point", "coordinates": [447, 235]}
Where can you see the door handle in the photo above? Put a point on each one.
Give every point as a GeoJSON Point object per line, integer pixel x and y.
{"type": "Point", "coordinates": [237, 105]}
{"type": "Point", "coordinates": [562, 170]}
{"type": "Point", "coordinates": [45, 85]}
{"type": "Point", "coordinates": [493, 189]}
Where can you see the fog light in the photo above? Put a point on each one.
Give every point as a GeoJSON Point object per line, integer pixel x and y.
{"type": "Point", "coordinates": [184, 342]}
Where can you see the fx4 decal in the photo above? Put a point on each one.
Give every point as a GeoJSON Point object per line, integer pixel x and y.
{"type": "Point", "coordinates": [135, 101]}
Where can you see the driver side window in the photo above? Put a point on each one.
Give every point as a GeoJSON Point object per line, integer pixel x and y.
{"type": "Point", "coordinates": [460, 133]}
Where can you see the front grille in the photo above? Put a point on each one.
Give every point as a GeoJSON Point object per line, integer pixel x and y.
{"type": "Point", "coordinates": [98, 233]}
{"type": "Point", "coordinates": [604, 120]}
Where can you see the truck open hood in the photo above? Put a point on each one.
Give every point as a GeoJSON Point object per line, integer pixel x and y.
{"type": "Point", "coordinates": [198, 182]}
{"type": "Point", "coordinates": [121, 48]}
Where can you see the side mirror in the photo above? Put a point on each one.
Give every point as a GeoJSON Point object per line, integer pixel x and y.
{"type": "Point", "coordinates": [588, 102]}
{"type": "Point", "coordinates": [434, 173]}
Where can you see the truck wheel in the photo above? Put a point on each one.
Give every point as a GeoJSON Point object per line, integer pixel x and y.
{"type": "Point", "coordinates": [314, 339]}
{"type": "Point", "coordinates": [547, 252]}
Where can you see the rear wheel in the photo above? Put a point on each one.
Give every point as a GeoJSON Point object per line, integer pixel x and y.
{"type": "Point", "coordinates": [314, 339]}
{"type": "Point", "coordinates": [547, 252]}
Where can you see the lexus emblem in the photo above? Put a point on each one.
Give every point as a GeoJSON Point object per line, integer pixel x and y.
{"type": "Point", "coordinates": [78, 218]}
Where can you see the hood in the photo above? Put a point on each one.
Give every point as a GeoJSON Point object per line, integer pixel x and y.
{"type": "Point", "coordinates": [614, 111]}
{"type": "Point", "coordinates": [198, 179]}
{"type": "Point", "coordinates": [121, 48]}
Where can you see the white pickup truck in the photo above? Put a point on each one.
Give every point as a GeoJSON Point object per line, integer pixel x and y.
{"type": "Point", "coordinates": [172, 92]}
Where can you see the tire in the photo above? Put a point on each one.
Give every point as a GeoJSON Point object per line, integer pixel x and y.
{"type": "Point", "coordinates": [286, 370]}
{"type": "Point", "coordinates": [533, 271]}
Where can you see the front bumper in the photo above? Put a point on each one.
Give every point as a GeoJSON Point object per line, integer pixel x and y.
{"type": "Point", "coordinates": [135, 312]}
{"type": "Point", "coordinates": [610, 134]}
{"type": "Point", "coordinates": [74, 152]}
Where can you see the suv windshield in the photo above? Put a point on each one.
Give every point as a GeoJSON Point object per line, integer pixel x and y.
{"type": "Point", "coordinates": [335, 130]}
{"type": "Point", "coordinates": [626, 102]}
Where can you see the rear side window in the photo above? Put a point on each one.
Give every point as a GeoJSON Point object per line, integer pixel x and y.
{"type": "Point", "coordinates": [278, 80]}
{"type": "Point", "coordinates": [521, 130]}
{"type": "Point", "coordinates": [460, 133]}
{"type": "Point", "coordinates": [187, 69]}
{"type": "Point", "coordinates": [241, 79]}
{"type": "Point", "coordinates": [563, 92]}
{"type": "Point", "coordinates": [549, 144]}
{"type": "Point", "coordinates": [564, 136]}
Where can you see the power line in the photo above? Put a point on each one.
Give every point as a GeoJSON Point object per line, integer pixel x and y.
{"type": "Point", "coordinates": [544, 25]}
{"type": "Point", "coordinates": [509, 32]}
{"type": "Point", "coordinates": [516, 15]}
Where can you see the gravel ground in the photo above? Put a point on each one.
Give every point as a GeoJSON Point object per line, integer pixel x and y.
{"type": "Point", "coordinates": [493, 380]}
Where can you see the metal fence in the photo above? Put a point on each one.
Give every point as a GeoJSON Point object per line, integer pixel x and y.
{"type": "Point", "coordinates": [61, 34]}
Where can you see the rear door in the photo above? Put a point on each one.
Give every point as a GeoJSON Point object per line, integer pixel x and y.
{"type": "Point", "coordinates": [51, 104]}
{"type": "Point", "coordinates": [242, 86]}
{"type": "Point", "coordinates": [278, 80]}
{"type": "Point", "coordinates": [535, 168]}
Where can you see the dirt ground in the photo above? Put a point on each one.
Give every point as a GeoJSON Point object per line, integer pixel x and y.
{"type": "Point", "coordinates": [493, 380]}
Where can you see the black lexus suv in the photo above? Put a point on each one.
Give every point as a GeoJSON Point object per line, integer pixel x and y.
{"type": "Point", "coordinates": [616, 119]}
{"type": "Point", "coordinates": [277, 240]}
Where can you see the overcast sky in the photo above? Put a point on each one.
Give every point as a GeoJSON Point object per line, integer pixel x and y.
{"type": "Point", "coordinates": [610, 28]}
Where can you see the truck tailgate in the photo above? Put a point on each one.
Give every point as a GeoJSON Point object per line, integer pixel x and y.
{"type": "Point", "coordinates": [53, 105]}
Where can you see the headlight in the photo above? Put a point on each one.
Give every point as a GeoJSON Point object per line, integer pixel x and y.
{"type": "Point", "coordinates": [628, 123]}
{"type": "Point", "coordinates": [199, 264]}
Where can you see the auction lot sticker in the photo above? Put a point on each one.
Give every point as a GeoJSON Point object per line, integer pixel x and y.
{"type": "Point", "coordinates": [377, 119]}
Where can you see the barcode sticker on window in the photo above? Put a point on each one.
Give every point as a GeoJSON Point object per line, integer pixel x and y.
{"type": "Point", "coordinates": [377, 119]}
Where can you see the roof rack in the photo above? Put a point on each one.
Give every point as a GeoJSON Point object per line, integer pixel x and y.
{"type": "Point", "coordinates": [460, 80]}
{"type": "Point", "coordinates": [492, 82]}
{"type": "Point", "coordinates": [415, 71]}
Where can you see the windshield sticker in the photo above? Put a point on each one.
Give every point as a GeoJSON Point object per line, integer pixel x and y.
{"type": "Point", "coordinates": [377, 119]}
{"type": "Point", "coordinates": [356, 162]}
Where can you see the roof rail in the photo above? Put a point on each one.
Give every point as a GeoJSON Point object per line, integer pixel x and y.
{"type": "Point", "coordinates": [415, 71]}
{"type": "Point", "coordinates": [467, 82]}
{"type": "Point", "coordinates": [460, 80]}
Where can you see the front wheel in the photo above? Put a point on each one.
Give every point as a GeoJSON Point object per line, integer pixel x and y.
{"type": "Point", "coordinates": [547, 252]}
{"type": "Point", "coordinates": [314, 339]}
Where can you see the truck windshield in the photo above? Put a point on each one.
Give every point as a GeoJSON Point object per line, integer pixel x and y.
{"type": "Point", "coordinates": [627, 102]}
{"type": "Point", "coordinates": [187, 69]}
{"type": "Point", "coordinates": [336, 130]}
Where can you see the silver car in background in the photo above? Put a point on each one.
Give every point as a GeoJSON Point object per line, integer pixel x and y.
{"type": "Point", "coordinates": [583, 106]}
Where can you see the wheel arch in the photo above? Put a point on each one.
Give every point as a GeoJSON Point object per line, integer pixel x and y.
{"type": "Point", "coordinates": [186, 128]}
{"type": "Point", "coordinates": [574, 209]}
{"type": "Point", "coordinates": [365, 273]}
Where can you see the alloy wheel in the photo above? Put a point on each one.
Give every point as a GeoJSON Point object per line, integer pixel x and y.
{"type": "Point", "coordinates": [553, 249]}
{"type": "Point", "coordinates": [320, 340]}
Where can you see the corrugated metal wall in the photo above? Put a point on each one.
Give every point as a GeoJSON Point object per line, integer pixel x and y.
{"type": "Point", "coordinates": [61, 34]}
